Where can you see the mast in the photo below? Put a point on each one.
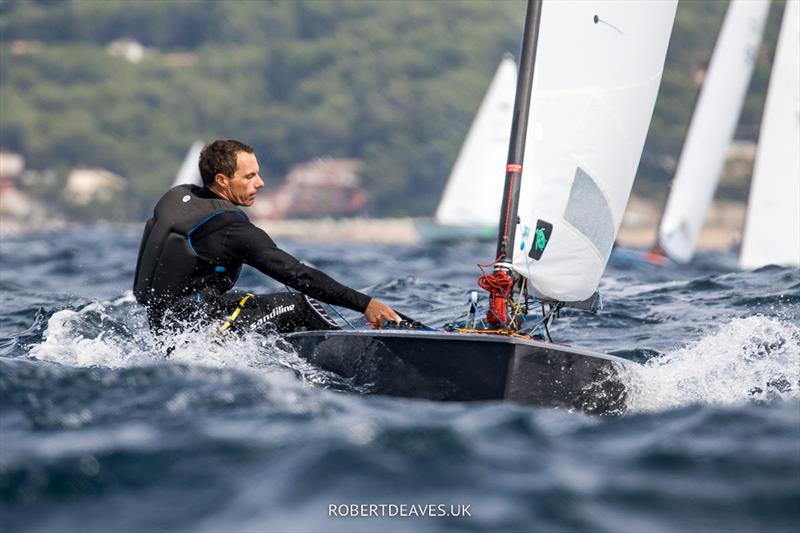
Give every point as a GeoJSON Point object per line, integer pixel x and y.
{"type": "Point", "coordinates": [500, 283]}
{"type": "Point", "coordinates": [519, 128]}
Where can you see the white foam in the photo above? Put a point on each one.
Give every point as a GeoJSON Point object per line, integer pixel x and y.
{"type": "Point", "coordinates": [753, 358]}
{"type": "Point", "coordinates": [108, 335]}
{"type": "Point", "coordinates": [64, 343]}
{"type": "Point", "coordinates": [92, 337]}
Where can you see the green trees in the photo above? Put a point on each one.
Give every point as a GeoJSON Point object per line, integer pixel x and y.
{"type": "Point", "coordinates": [393, 83]}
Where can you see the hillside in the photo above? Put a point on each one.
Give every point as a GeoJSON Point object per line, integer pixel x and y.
{"type": "Point", "coordinates": [392, 83]}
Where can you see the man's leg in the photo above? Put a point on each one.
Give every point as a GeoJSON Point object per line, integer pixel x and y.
{"type": "Point", "coordinates": [282, 312]}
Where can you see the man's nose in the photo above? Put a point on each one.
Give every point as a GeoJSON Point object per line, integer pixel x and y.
{"type": "Point", "coordinates": [259, 183]}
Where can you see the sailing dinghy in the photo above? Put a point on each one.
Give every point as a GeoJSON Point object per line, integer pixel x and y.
{"type": "Point", "coordinates": [712, 127]}
{"type": "Point", "coordinates": [772, 230]}
{"type": "Point", "coordinates": [710, 131]}
{"type": "Point", "coordinates": [598, 67]}
{"type": "Point", "coordinates": [189, 173]}
{"type": "Point", "coordinates": [470, 204]}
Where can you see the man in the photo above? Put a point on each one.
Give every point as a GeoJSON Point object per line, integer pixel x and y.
{"type": "Point", "coordinates": [193, 249]}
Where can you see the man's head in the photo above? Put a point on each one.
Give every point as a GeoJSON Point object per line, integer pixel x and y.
{"type": "Point", "coordinates": [230, 169]}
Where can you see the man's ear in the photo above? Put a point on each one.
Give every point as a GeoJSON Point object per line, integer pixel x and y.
{"type": "Point", "coordinates": [221, 180]}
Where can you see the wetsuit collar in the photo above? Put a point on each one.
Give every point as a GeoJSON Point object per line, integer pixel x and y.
{"type": "Point", "coordinates": [208, 194]}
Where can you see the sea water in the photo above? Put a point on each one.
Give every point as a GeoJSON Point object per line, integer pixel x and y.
{"type": "Point", "coordinates": [100, 431]}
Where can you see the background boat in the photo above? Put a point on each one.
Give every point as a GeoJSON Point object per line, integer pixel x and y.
{"type": "Point", "coordinates": [470, 204]}
{"type": "Point", "coordinates": [189, 173]}
{"type": "Point", "coordinates": [772, 232]}
{"type": "Point", "coordinates": [710, 132]}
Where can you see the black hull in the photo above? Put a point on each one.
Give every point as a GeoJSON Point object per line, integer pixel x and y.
{"type": "Point", "coordinates": [468, 367]}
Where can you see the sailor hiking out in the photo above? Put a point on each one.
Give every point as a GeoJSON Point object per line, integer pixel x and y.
{"type": "Point", "coordinates": [194, 246]}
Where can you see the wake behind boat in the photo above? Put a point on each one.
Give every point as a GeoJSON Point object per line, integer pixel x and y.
{"type": "Point", "coordinates": [589, 114]}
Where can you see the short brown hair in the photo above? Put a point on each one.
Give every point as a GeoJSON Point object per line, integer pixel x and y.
{"type": "Point", "coordinates": [219, 157]}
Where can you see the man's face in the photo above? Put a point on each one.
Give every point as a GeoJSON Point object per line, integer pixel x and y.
{"type": "Point", "coordinates": [241, 188]}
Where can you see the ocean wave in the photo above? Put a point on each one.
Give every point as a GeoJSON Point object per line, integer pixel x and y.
{"type": "Point", "coordinates": [748, 359]}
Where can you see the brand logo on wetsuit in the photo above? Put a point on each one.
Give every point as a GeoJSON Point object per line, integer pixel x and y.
{"type": "Point", "coordinates": [281, 309]}
{"type": "Point", "coordinates": [186, 198]}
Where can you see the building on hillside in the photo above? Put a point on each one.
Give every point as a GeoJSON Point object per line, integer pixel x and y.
{"type": "Point", "coordinates": [22, 47]}
{"type": "Point", "coordinates": [17, 207]}
{"type": "Point", "coordinates": [13, 203]}
{"type": "Point", "coordinates": [11, 165]}
{"type": "Point", "coordinates": [90, 185]}
{"type": "Point", "coordinates": [320, 188]}
{"type": "Point", "coordinates": [130, 49]}
{"type": "Point", "coordinates": [18, 210]}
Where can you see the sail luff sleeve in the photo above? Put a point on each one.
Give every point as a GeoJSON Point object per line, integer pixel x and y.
{"type": "Point", "coordinates": [519, 127]}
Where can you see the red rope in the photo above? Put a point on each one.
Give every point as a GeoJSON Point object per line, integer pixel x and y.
{"type": "Point", "coordinates": [498, 284]}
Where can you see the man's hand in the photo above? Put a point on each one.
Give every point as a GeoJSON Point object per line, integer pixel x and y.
{"type": "Point", "coordinates": [377, 313]}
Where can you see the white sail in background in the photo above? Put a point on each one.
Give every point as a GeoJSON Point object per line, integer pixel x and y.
{"type": "Point", "coordinates": [189, 172]}
{"type": "Point", "coordinates": [475, 186]}
{"type": "Point", "coordinates": [772, 231]}
{"type": "Point", "coordinates": [712, 127]}
{"type": "Point", "coordinates": [598, 69]}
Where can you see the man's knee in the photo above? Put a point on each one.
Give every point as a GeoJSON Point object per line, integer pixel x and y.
{"type": "Point", "coordinates": [284, 313]}
{"type": "Point", "coordinates": [319, 316]}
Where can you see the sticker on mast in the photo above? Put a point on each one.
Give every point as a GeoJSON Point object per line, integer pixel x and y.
{"type": "Point", "coordinates": [514, 167]}
{"type": "Point", "coordinates": [540, 239]}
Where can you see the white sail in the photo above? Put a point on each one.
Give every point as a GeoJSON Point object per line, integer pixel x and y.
{"type": "Point", "coordinates": [598, 69]}
{"type": "Point", "coordinates": [712, 127]}
{"type": "Point", "coordinates": [475, 186]}
{"type": "Point", "coordinates": [189, 171]}
{"type": "Point", "coordinates": [772, 231]}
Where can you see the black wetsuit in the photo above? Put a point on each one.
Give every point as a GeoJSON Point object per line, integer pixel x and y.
{"type": "Point", "coordinates": [189, 260]}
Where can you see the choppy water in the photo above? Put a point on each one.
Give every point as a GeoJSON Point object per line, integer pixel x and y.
{"type": "Point", "coordinates": [99, 432]}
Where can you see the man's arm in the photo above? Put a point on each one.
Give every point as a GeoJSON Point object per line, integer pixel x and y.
{"type": "Point", "coordinates": [255, 248]}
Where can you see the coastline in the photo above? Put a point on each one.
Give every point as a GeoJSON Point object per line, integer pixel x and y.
{"type": "Point", "coordinates": [722, 227]}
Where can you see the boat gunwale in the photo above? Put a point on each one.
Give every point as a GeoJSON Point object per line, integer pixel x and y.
{"type": "Point", "coordinates": [466, 337]}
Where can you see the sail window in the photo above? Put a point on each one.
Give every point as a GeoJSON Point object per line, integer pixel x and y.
{"type": "Point", "coordinates": [588, 211]}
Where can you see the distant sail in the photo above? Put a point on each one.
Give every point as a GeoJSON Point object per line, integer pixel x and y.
{"type": "Point", "coordinates": [712, 127]}
{"type": "Point", "coordinates": [598, 70]}
{"type": "Point", "coordinates": [475, 186]}
{"type": "Point", "coordinates": [772, 231]}
{"type": "Point", "coordinates": [189, 171]}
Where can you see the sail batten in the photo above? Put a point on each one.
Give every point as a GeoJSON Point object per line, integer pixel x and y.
{"type": "Point", "coordinates": [598, 69]}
